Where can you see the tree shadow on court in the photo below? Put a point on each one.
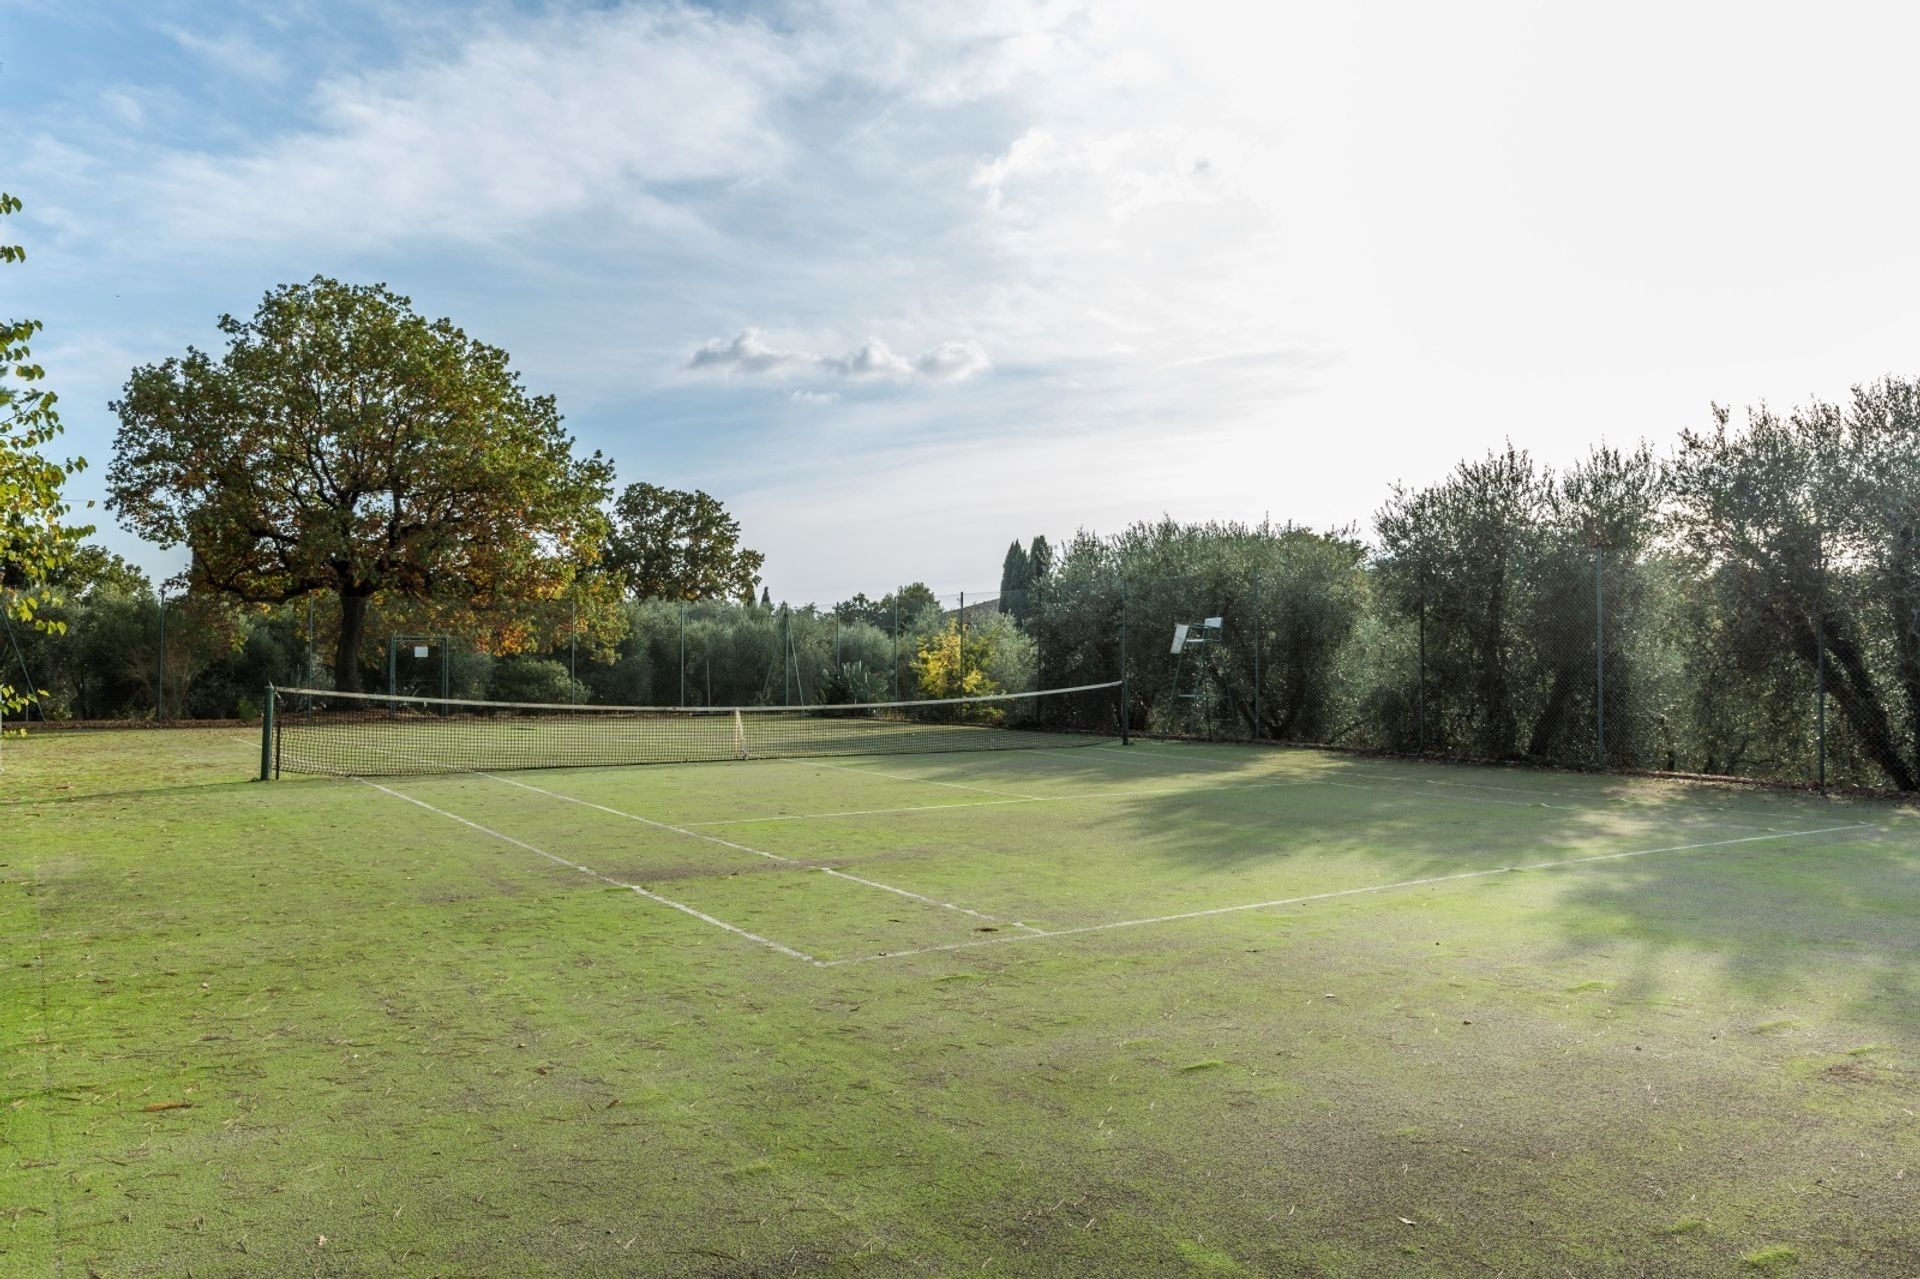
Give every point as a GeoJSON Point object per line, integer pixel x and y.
{"type": "Point", "coordinates": [1721, 895]}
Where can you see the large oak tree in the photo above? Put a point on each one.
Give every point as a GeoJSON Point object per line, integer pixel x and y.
{"type": "Point", "coordinates": [672, 544]}
{"type": "Point", "coordinates": [343, 443]}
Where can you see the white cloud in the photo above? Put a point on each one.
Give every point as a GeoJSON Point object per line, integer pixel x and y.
{"type": "Point", "coordinates": [953, 362]}
{"type": "Point", "coordinates": [1228, 257]}
{"type": "Point", "coordinates": [512, 126]}
{"type": "Point", "coordinates": [748, 354]}
{"type": "Point", "coordinates": [232, 52]}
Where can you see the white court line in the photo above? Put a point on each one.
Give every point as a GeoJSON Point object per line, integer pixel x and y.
{"type": "Point", "coordinates": [1465, 799]}
{"type": "Point", "coordinates": [1341, 892]}
{"type": "Point", "coordinates": [605, 879]}
{"type": "Point", "coordinates": [1602, 800]}
{"type": "Point", "coordinates": [1148, 757]}
{"type": "Point", "coordinates": [902, 777]}
{"type": "Point", "coordinates": [1156, 758]}
{"type": "Point", "coordinates": [759, 852]}
{"type": "Point", "coordinates": [991, 803]}
{"type": "Point", "coordinates": [1712, 819]}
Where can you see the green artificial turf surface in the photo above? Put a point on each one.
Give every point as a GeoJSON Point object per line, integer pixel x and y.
{"type": "Point", "coordinates": [312, 1028]}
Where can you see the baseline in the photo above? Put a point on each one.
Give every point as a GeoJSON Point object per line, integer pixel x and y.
{"type": "Point", "coordinates": [1342, 892]}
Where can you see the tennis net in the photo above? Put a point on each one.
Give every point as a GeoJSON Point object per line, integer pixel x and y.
{"type": "Point", "coordinates": [374, 734]}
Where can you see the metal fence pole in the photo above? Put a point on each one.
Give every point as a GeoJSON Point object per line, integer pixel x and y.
{"type": "Point", "coordinates": [1126, 735]}
{"type": "Point", "coordinates": [160, 681]}
{"type": "Point", "coordinates": [573, 652]}
{"type": "Point", "coordinates": [683, 652]}
{"type": "Point", "coordinates": [1820, 689]}
{"type": "Point", "coordinates": [1599, 661]}
{"type": "Point", "coordinates": [1259, 633]}
{"type": "Point", "coordinates": [29, 692]}
{"type": "Point", "coordinates": [1420, 681]}
{"type": "Point", "coordinates": [896, 643]}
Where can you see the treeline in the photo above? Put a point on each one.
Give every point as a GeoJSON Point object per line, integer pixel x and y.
{"type": "Point", "coordinates": [1748, 603]}
{"type": "Point", "coordinates": [114, 650]}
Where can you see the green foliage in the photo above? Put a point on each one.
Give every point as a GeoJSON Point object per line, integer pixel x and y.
{"type": "Point", "coordinates": [1496, 565]}
{"type": "Point", "coordinates": [1812, 520]}
{"type": "Point", "coordinates": [1039, 560]}
{"type": "Point", "coordinates": [36, 541]}
{"type": "Point", "coordinates": [668, 544]}
{"type": "Point", "coordinates": [1310, 594]}
{"type": "Point", "coordinates": [852, 684]}
{"type": "Point", "coordinates": [534, 679]}
{"type": "Point", "coordinates": [954, 663]}
{"type": "Point", "coordinates": [343, 443]}
{"type": "Point", "coordinates": [1016, 579]}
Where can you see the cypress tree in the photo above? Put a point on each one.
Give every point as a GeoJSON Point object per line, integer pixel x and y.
{"type": "Point", "coordinates": [1015, 576]}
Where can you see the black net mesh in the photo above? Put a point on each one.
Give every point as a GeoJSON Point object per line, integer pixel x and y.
{"type": "Point", "coordinates": [371, 735]}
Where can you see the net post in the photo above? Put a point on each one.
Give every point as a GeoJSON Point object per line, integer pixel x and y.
{"type": "Point", "coordinates": [266, 737]}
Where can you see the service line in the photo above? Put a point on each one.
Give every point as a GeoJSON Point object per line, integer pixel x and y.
{"type": "Point", "coordinates": [1340, 892]}
{"type": "Point", "coordinates": [649, 894]}
{"type": "Point", "coordinates": [761, 852]}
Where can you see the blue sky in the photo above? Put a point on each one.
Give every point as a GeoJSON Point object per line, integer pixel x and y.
{"type": "Point", "coordinates": [901, 283]}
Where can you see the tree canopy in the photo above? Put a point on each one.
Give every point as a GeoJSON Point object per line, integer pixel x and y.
{"type": "Point", "coordinates": [35, 540]}
{"type": "Point", "coordinates": [670, 544]}
{"type": "Point", "coordinates": [343, 443]}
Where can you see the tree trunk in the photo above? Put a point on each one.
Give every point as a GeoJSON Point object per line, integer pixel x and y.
{"type": "Point", "coordinates": [1553, 714]}
{"type": "Point", "coordinates": [1850, 685]}
{"type": "Point", "coordinates": [353, 630]}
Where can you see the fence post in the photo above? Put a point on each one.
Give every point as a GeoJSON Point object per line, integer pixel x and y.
{"type": "Point", "coordinates": [1126, 735]}
{"type": "Point", "coordinates": [29, 693]}
{"type": "Point", "coordinates": [1420, 679]}
{"type": "Point", "coordinates": [1820, 685]}
{"type": "Point", "coordinates": [683, 652]}
{"type": "Point", "coordinates": [310, 675]}
{"type": "Point", "coordinates": [1259, 633]}
{"type": "Point", "coordinates": [160, 682]}
{"type": "Point", "coordinates": [1599, 661]}
{"type": "Point", "coordinates": [896, 643]}
{"type": "Point", "coordinates": [573, 651]}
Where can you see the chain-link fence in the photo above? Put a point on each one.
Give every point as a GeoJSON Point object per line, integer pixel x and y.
{"type": "Point", "coordinates": [1586, 659]}
{"type": "Point", "coordinates": [116, 655]}
{"type": "Point", "coordinates": [1590, 662]}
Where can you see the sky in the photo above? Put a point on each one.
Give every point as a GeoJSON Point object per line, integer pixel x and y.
{"type": "Point", "coordinates": [902, 283]}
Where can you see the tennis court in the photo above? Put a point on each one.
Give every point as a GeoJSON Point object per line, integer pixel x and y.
{"type": "Point", "coordinates": [1081, 1008]}
{"type": "Point", "coordinates": [864, 859]}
